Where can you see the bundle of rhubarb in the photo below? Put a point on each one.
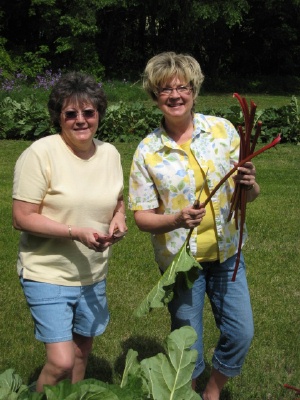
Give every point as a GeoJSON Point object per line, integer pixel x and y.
{"type": "Point", "coordinates": [247, 147]}
{"type": "Point", "coordinates": [248, 142]}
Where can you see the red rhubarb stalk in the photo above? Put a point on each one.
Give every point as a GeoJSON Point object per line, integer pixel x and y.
{"type": "Point", "coordinates": [239, 164]}
{"type": "Point", "coordinates": [297, 390]}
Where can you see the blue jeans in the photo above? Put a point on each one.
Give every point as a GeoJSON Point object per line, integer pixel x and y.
{"type": "Point", "coordinates": [230, 302]}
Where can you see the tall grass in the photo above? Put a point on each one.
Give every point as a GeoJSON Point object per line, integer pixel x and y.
{"type": "Point", "coordinates": [272, 255]}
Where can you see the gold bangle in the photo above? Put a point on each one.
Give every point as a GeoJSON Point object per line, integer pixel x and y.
{"type": "Point", "coordinates": [70, 232]}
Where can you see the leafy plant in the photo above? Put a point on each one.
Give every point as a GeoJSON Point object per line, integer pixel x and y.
{"type": "Point", "coordinates": [284, 119]}
{"type": "Point", "coordinates": [24, 114]}
{"type": "Point", "coordinates": [292, 117]}
{"type": "Point", "coordinates": [182, 271]}
{"type": "Point", "coordinates": [168, 376]}
{"type": "Point", "coordinates": [27, 119]}
{"type": "Point", "coordinates": [124, 123]}
{"type": "Point", "coordinates": [31, 63]}
{"type": "Point", "coordinates": [11, 387]}
{"type": "Point", "coordinates": [164, 376]}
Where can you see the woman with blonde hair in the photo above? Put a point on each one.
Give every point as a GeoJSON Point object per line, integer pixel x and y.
{"type": "Point", "coordinates": [186, 152]}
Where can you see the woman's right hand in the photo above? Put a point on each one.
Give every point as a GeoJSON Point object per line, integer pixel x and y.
{"type": "Point", "coordinates": [190, 217]}
{"type": "Point", "coordinates": [92, 239]}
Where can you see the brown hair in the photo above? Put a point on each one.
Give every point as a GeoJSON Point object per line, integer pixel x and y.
{"type": "Point", "coordinates": [79, 88]}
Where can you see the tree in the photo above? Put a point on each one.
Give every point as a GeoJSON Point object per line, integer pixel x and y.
{"type": "Point", "coordinates": [228, 37]}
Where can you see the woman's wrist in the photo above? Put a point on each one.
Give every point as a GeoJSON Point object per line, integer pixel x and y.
{"type": "Point", "coordinates": [70, 232]}
{"type": "Point", "coordinates": [253, 192]}
{"type": "Point", "coordinates": [121, 212]}
{"type": "Point", "coordinates": [249, 187]}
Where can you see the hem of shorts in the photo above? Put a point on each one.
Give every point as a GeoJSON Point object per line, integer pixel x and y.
{"type": "Point", "coordinates": [92, 334]}
{"type": "Point", "coordinates": [69, 338]}
{"type": "Point", "coordinates": [226, 370]}
{"type": "Point", "coordinates": [54, 340]}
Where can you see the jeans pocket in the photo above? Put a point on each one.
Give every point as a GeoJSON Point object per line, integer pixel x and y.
{"type": "Point", "coordinates": [39, 292]}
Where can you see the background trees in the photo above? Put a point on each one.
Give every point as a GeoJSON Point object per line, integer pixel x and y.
{"type": "Point", "coordinates": [114, 38]}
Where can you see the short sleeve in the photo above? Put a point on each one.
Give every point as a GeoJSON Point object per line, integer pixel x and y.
{"type": "Point", "coordinates": [142, 191]}
{"type": "Point", "coordinates": [31, 176]}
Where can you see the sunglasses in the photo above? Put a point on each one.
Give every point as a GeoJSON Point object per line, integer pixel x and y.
{"type": "Point", "coordinates": [72, 114]}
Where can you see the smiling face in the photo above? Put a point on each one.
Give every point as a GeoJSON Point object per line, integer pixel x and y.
{"type": "Point", "coordinates": [78, 124]}
{"type": "Point", "coordinates": [175, 104]}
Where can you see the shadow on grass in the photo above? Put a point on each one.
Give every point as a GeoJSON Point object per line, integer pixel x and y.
{"type": "Point", "coordinates": [33, 377]}
{"type": "Point", "coordinates": [146, 348]}
{"type": "Point", "coordinates": [99, 368]}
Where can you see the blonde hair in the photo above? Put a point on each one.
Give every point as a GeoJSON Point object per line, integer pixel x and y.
{"type": "Point", "coordinates": [167, 65]}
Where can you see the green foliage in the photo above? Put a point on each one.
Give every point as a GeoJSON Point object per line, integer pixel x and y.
{"type": "Point", "coordinates": [125, 123]}
{"type": "Point", "coordinates": [33, 63]}
{"type": "Point", "coordinates": [169, 376]}
{"type": "Point", "coordinates": [28, 119]}
{"type": "Point", "coordinates": [284, 120]}
{"type": "Point", "coordinates": [182, 271]}
{"type": "Point", "coordinates": [164, 376]}
{"type": "Point", "coordinates": [7, 66]}
{"type": "Point", "coordinates": [11, 387]}
{"type": "Point", "coordinates": [255, 38]}
{"type": "Point", "coordinates": [24, 120]}
{"type": "Point", "coordinates": [232, 11]}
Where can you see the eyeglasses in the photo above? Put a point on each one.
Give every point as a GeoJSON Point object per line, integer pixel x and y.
{"type": "Point", "coordinates": [72, 114]}
{"type": "Point", "coordinates": [166, 91]}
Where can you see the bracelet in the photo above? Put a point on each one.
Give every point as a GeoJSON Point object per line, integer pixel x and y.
{"type": "Point", "coordinates": [121, 213]}
{"type": "Point", "coordinates": [250, 187]}
{"type": "Point", "coordinates": [70, 232]}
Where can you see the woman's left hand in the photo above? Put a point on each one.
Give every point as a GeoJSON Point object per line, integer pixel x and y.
{"type": "Point", "coordinates": [246, 175]}
{"type": "Point", "coordinates": [118, 227]}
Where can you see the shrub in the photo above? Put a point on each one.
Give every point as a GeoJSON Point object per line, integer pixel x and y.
{"type": "Point", "coordinates": [28, 119]}
{"type": "Point", "coordinates": [125, 123]}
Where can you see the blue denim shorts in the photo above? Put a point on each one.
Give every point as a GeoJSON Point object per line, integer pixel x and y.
{"type": "Point", "coordinates": [59, 311]}
{"type": "Point", "coordinates": [230, 302]}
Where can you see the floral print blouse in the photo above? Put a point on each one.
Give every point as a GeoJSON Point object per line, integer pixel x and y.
{"type": "Point", "coordinates": [161, 179]}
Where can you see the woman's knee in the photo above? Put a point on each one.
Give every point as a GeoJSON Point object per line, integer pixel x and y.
{"type": "Point", "coordinates": [240, 339]}
{"type": "Point", "coordinates": [60, 358]}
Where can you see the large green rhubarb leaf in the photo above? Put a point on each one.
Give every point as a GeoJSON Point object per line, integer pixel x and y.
{"type": "Point", "coordinates": [181, 272]}
{"type": "Point", "coordinates": [168, 376]}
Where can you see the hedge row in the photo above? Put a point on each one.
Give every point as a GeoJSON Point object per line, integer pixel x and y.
{"type": "Point", "coordinates": [29, 120]}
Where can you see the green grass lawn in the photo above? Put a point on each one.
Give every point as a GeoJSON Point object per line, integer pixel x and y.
{"type": "Point", "coordinates": [272, 255]}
